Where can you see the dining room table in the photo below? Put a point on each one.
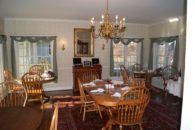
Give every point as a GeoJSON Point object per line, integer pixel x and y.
{"type": "Point", "coordinates": [20, 118]}
{"type": "Point", "coordinates": [144, 74]}
{"type": "Point", "coordinates": [106, 94]}
{"type": "Point", "coordinates": [46, 78]}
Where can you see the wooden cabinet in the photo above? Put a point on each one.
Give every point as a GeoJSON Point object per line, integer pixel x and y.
{"type": "Point", "coordinates": [85, 74]}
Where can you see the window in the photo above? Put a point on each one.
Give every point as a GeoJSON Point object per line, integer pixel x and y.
{"type": "Point", "coordinates": [125, 52]}
{"type": "Point", "coordinates": [1, 63]}
{"type": "Point", "coordinates": [163, 54]}
{"type": "Point", "coordinates": [31, 51]}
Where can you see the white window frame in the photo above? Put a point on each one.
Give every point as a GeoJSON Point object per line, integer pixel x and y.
{"type": "Point", "coordinates": [165, 55]}
{"type": "Point", "coordinates": [125, 55]}
{"type": "Point", "coordinates": [27, 53]}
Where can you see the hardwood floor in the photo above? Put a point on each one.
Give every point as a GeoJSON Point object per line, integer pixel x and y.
{"type": "Point", "coordinates": [156, 95]}
{"type": "Point", "coordinates": [45, 125]}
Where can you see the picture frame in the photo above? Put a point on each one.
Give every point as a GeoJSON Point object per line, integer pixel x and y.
{"type": "Point", "coordinates": [87, 63]}
{"type": "Point", "coordinates": [83, 42]}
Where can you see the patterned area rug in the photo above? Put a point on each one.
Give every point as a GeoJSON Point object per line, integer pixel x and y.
{"type": "Point", "coordinates": [156, 117]}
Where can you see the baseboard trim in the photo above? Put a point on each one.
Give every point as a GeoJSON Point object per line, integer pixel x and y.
{"type": "Point", "coordinates": [56, 88]}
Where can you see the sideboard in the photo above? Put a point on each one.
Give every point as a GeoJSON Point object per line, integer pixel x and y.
{"type": "Point", "coordinates": [85, 74]}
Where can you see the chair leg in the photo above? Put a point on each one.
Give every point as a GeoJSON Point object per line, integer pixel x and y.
{"type": "Point", "coordinates": [140, 125]}
{"type": "Point", "coordinates": [81, 108]}
{"type": "Point", "coordinates": [84, 110]}
{"type": "Point", "coordinates": [121, 127]}
{"type": "Point", "coordinates": [42, 103]}
{"type": "Point", "coordinates": [99, 111]}
{"type": "Point", "coordinates": [108, 125]}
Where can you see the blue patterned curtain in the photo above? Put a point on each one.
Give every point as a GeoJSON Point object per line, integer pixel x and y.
{"type": "Point", "coordinates": [3, 42]}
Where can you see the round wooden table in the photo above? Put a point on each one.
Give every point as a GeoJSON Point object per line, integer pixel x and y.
{"type": "Point", "coordinates": [105, 98]}
{"type": "Point", "coordinates": [20, 118]}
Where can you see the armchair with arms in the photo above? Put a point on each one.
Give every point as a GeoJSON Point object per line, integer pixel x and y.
{"type": "Point", "coordinates": [129, 80]}
{"type": "Point", "coordinates": [172, 81]}
{"type": "Point", "coordinates": [11, 97]}
{"type": "Point", "coordinates": [125, 75]}
{"type": "Point", "coordinates": [32, 83]}
{"type": "Point", "coordinates": [130, 109]}
{"type": "Point", "coordinates": [7, 75]}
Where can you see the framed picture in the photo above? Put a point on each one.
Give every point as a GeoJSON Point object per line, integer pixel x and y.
{"type": "Point", "coordinates": [87, 63]}
{"type": "Point", "coordinates": [83, 42]}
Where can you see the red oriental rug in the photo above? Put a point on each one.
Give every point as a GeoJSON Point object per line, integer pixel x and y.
{"type": "Point", "coordinates": [156, 117]}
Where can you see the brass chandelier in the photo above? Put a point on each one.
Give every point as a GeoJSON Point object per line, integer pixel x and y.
{"type": "Point", "coordinates": [107, 29]}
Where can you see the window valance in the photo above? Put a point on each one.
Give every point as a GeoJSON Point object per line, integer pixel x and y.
{"type": "Point", "coordinates": [33, 38]}
{"type": "Point", "coordinates": [159, 40]}
{"type": "Point", "coordinates": [126, 41]}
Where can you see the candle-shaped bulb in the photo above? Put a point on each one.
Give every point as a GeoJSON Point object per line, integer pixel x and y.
{"type": "Point", "coordinates": [123, 22]}
{"type": "Point", "coordinates": [92, 21]}
{"type": "Point", "coordinates": [120, 23]}
{"type": "Point", "coordinates": [102, 18]}
{"type": "Point", "coordinates": [116, 19]}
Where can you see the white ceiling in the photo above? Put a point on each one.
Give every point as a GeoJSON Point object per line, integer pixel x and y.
{"type": "Point", "coordinates": [135, 11]}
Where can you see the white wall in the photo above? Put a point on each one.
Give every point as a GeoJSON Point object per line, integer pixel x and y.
{"type": "Point", "coordinates": [188, 108]}
{"type": "Point", "coordinates": [166, 29]}
{"type": "Point", "coordinates": [1, 26]}
{"type": "Point", "coordinates": [63, 29]}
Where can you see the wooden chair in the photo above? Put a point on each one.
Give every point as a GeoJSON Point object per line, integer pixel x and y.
{"type": "Point", "coordinates": [125, 76]}
{"type": "Point", "coordinates": [169, 72]}
{"type": "Point", "coordinates": [89, 75]}
{"type": "Point", "coordinates": [138, 82]}
{"type": "Point", "coordinates": [7, 75]}
{"type": "Point", "coordinates": [32, 83]}
{"type": "Point", "coordinates": [129, 80]}
{"type": "Point", "coordinates": [88, 105]}
{"type": "Point", "coordinates": [130, 109]}
{"type": "Point", "coordinates": [37, 69]}
{"type": "Point", "coordinates": [54, 121]}
{"type": "Point", "coordinates": [12, 97]}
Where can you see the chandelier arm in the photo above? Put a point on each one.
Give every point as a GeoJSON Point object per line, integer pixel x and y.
{"type": "Point", "coordinates": [107, 29]}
